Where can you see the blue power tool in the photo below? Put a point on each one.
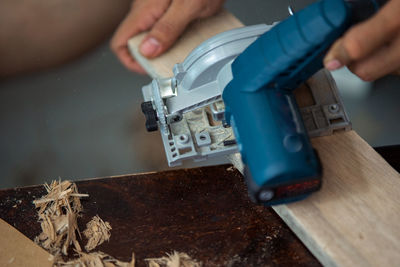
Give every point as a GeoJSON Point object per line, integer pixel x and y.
{"type": "Point", "coordinates": [235, 93]}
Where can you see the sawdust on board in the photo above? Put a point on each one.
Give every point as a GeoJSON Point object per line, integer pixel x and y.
{"type": "Point", "coordinates": [175, 259]}
{"type": "Point", "coordinates": [58, 212]}
{"type": "Point", "coordinates": [97, 231]}
{"type": "Point", "coordinates": [95, 259]}
{"type": "Point", "coordinates": [230, 169]}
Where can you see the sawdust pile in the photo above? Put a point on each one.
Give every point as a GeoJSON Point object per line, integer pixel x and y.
{"type": "Point", "coordinates": [95, 259]}
{"type": "Point", "coordinates": [58, 212]}
{"type": "Point", "coordinates": [175, 259]}
{"type": "Point", "coordinates": [97, 231]}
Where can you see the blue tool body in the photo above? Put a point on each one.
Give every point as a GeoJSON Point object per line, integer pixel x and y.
{"type": "Point", "coordinates": [260, 106]}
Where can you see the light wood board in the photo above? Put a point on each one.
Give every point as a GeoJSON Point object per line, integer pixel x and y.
{"type": "Point", "coordinates": [354, 220]}
{"type": "Point", "coordinates": [18, 250]}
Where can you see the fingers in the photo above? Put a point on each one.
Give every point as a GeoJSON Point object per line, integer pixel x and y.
{"type": "Point", "coordinates": [142, 16]}
{"type": "Point", "coordinates": [129, 62]}
{"type": "Point", "coordinates": [167, 19]}
{"type": "Point", "coordinates": [337, 56]}
{"type": "Point", "coordinates": [172, 24]}
{"type": "Point", "coordinates": [210, 7]}
{"type": "Point", "coordinates": [384, 61]}
{"type": "Point", "coordinates": [168, 28]}
{"type": "Point", "coordinates": [365, 38]}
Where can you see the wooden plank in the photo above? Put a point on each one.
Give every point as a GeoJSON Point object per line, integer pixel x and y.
{"type": "Point", "coordinates": [17, 250]}
{"type": "Point", "coordinates": [354, 219]}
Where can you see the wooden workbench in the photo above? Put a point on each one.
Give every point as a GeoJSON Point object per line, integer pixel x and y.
{"type": "Point", "coordinates": [204, 212]}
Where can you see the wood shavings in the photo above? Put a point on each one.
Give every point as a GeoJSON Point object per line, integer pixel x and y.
{"type": "Point", "coordinates": [58, 212]}
{"type": "Point", "coordinates": [97, 231]}
{"type": "Point", "coordinates": [230, 169]}
{"type": "Point", "coordinates": [95, 259]}
{"type": "Point", "coordinates": [175, 259]}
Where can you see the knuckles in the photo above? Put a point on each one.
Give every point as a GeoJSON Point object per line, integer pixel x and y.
{"type": "Point", "coordinates": [194, 4]}
{"type": "Point", "coordinates": [164, 31]}
{"type": "Point", "coordinates": [212, 8]}
{"type": "Point", "coordinates": [353, 46]}
{"type": "Point", "coordinates": [200, 8]}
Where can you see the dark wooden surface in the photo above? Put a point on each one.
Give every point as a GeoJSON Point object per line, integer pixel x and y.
{"type": "Point", "coordinates": [204, 212]}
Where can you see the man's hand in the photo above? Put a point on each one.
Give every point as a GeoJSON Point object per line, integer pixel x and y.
{"type": "Point", "coordinates": [370, 49]}
{"type": "Point", "coordinates": [165, 19]}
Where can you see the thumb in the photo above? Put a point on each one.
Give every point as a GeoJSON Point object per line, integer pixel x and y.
{"type": "Point", "coordinates": [337, 56]}
{"type": "Point", "coordinates": [167, 30]}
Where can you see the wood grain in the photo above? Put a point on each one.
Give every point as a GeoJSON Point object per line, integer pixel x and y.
{"type": "Point", "coordinates": [18, 250]}
{"type": "Point", "coordinates": [354, 219]}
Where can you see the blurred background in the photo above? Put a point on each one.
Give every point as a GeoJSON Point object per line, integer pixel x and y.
{"type": "Point", "coordinates": [83, 119]}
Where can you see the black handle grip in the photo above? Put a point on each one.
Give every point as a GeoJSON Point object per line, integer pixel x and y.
{"type": "Point", "coordinates": [151, 116]}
